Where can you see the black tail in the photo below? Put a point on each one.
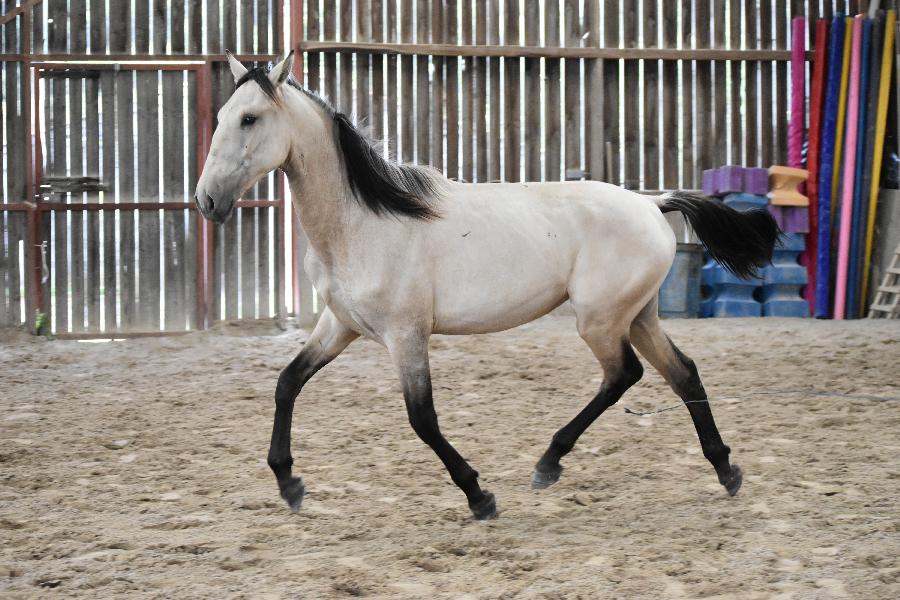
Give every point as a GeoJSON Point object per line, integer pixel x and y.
{"type": "Point", "coordinates": [741, 241]}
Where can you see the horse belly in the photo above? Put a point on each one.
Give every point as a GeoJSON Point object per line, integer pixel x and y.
{"type": "Point", "coordinates": [503, 295]}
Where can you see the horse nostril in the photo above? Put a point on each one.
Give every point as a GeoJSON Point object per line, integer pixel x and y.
{"type": "Point", "coordinates": [212, 204]}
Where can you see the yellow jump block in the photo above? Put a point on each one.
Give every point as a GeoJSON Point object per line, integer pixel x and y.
{"type": "Point", "coordinates": [784, 182]}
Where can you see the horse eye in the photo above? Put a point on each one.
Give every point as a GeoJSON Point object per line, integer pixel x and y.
{"type": "Point", "coordinates": [248, 120]}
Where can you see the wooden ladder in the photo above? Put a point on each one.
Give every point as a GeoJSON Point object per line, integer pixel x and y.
{"type": "Point", "coordinates": [887, 298]}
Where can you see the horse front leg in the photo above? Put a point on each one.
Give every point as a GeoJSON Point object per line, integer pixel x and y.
{"type": "Point", "coordinates": [327, 341]}
{"type": "Point", "coordinates": [410, 355]}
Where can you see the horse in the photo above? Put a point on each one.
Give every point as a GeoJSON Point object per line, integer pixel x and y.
{"type": "Point", "coordinates": [399, 252]}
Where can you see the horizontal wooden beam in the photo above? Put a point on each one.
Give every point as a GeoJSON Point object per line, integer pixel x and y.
{"type": "Point", "coordinates": [88, 60]}
{"type": "Point", "coordinates": [65, 206]}
{"type": "Point", "coordinates": [545, 51]}
{"type": "Point", "coordinates": [110, 335]}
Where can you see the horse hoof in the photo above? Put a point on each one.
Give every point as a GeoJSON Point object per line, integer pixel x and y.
{"type": "Point", "coordinates": [486, 508]}
{"type": "Point", "coordinates": [541, 480]}
{"type": "Point", "coordinates": [292, 491]}
{"type": "Point", "coordinates": [733, 480]}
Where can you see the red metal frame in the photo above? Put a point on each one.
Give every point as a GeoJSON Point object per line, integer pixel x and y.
{"type": "Point", "coordinates": [296, 38]}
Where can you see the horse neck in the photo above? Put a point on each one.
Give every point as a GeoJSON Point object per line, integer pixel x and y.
{"type": "Point", "coordinates": [318, 185]}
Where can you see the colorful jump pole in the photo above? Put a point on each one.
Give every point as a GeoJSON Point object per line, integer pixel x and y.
{"type": "Point", "coordinates": [798, 92]}
{"type": "Point", "coordinates": [887, 61]}
{"type": "Point", "coordinates": [840, 291]}
{"type": "Point", "coordinates": [815, 132]}
{"type": "Point", "coordinates": [826, 178]}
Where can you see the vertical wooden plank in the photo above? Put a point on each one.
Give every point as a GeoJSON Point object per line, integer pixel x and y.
{"type": "Point", "coordinates": [423, 92]}
{"type": "Point", "coordinates": [452, 73]}
{"type": "Point", "coordinates": [97, 29]}
{"type": "Point", "coordinates": [572, 66]}
{"type": "Point", "coordinates": [703, 96]}
{"type": "Point", "coordinates": [687, 99]}
{"type": "Point", "coordinates": [611, 86]}
{"type": "Point", "coordinates": [213, 31]}
{"type": "Point", "coordinates": [77, 12]}
{"type": "Point", "coordinates": [141, 39]}
{"type": "Point", "coordinates": [512, 137]}
{"type": "Point", "coordinates": [494, 173]}
{"type": "Point", "coordinates": [108, 174]}
{"type": "Point", "coordinates": [314, 59]}
{"type": "Point", "coordinates": [595, 136]}
{"type": "Point", "coordinates": [125, 108]}
{"type": "Point", "coordinates": [553, 79]}
{"type": "Point", "coordinates": [751, 114]}
{"type": "Point", "coordinates": [650, 19]}
{"type": "Point", "coordinates": [148, 191]}
{"type": "Point", "coordinates": [247, 257]}
{"type": "Point", "coordinates": [174, 267]}
{"type": "Point", "coordinates": [76, 219]}
{"type": "Point", "coordinates": [671, 126]}
{"type": "Point", "coordinates": [391, 125]}
{"type": "Point", "coordinates": [191, 216]}
{"type": "Point", "coordinates": [329, 62]}
{"type": "Point", "coordinates": [160, 34]}
{"type": "Point", "coordinates": [92, 218]}
{"type": "Point", "coordinates": [408, 109]}
{"type": "Point", "coordinates": [766, 89]}
{"type": "Point", "coordinates": [436, 126]}
{"type": "Point", "coordinates": [737, 91]}
{"type": "Point", "coordinates": [194, 31]}
{"type": "Point", "coordinates": [720, 99]}
{"type": "Point", "coordinates": [346, 58]}
{"type": "Point", "coordinates": [468, 133]}
{"type": "Point", "coordinates": [632, 149]}
{"type": "Point", "coordinates": [119, 42]}
{"type": "Point", "coordinates": [377, 105]}
{"type": "Point", "coordinates": [264, 40]}
{"type": "Point", "coordinates": [363, 34]}
{"type": "Point", "coordinates": [247, 25]}
{"type": "Point", "coordinates": [479, 96]}
{"type": "Point", "coordinates": [532, 147]}
{"type": "Point", "coordinates": [229, 24]}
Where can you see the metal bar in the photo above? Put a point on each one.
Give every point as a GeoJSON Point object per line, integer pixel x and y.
{"type": "Point", "coordinates": [130, 205]}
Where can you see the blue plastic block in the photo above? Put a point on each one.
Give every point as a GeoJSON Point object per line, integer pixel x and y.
{"type": "Point", "coordinates": [729, 295]}
{"type": "Point", "coordinates": [679, 295]}
{"type": "Point", "coordinates": [784, 278]}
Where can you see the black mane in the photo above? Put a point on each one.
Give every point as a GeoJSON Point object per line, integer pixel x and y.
{"type": "Point", "coordinates": [381, 185]}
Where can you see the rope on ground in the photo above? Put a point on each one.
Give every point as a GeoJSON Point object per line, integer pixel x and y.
{"type": "Point", "coordinates": [738, 399]}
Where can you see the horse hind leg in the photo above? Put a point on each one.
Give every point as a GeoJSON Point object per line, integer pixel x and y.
{"type": "Point", "coordinates": [681, 374]}
{"type": "Point", "coordinates": [621, 370]}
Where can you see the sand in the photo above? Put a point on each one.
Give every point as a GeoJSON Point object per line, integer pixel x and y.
{"type": "Point", "coordinates": [137, 469]}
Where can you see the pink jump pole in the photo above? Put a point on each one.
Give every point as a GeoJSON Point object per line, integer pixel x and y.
{"type": "Point", "coordinates": [840, 293]}
{"type": "Point", "coordinates": [798, 93]}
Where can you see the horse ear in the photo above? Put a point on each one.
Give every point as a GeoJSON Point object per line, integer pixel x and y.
{"type": "Point", "coordinates": [237, 69]}
{"type": "Point", "coordinates": [282, 70]}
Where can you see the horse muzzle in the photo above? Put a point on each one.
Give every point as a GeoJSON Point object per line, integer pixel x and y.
{"type": "Point", "coordinates": [217, 211]}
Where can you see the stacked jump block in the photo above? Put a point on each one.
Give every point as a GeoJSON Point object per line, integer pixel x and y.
{"type": "Point", "coordinates": [785, 278]}
{"type": "Point", "coordinates": [725, 294]}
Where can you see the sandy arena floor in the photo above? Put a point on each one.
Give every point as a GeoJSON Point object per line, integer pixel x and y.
{"type": "Point", "coordinates": [137, 469]}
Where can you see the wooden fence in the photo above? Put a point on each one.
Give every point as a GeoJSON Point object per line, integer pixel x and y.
{"type": "Point", "coordinates": [643, 93]}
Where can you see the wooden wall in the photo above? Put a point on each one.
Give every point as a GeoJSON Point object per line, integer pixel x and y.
{"type": "Point", "coordinates": [642, 93]}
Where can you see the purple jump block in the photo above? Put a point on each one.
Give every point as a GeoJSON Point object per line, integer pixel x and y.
{"type": "Point", "coordinates": [791, 219]}
{"type": "Point", "coordinates": [732, 179]}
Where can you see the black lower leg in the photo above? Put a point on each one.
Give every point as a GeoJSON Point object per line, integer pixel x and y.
{"type": "Point", "coordinates": [548, 469]}
{"type": "Point", "coordinates": [280, 461]}
{"type": "Point", "coordinates": [691, 390]}
{"type": "Point", "coordinates": [424, 421]}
